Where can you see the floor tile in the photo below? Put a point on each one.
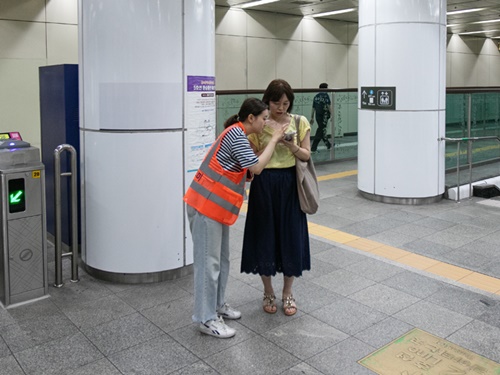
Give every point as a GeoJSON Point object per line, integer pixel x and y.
{"type": "Point", "coordinates": [157, 356]}
{"type": "Point", "coordinates": [121, 333]}
{"type": "Point", "coordinates": [305, 336]}
{"type": "Point", "coordinates": [348, 316]}
{"type": "Point", "coordinates": [479, 337]}
{"type": "Point", "coordinates": [255, 356]}
{"type": "Point", "coordinates": [384, 299]}
{"type": "Point", "coordinates": [342, 358]}
{"type": "Point", "coordinates": [10, 366]}
{"type": "Point", "coordinates": [62, 355]}
{"type": "Point", "coordinates": [102, 310]}
{"type": "Point", "coordinates": [36, 331]}
{"type": "Point", "coordinates": [432, 318]}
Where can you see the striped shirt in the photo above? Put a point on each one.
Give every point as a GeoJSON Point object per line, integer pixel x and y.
{"type": "Point", "coordinates": [235, 152]}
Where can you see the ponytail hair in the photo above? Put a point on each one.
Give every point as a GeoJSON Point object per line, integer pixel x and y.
{"type": "Point", "coordinates": [231, 120]}
{"type": "Point", "coordinates": [251, 106]}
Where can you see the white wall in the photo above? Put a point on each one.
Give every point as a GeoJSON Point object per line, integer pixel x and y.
{"type": "Point", "coordinates": [252, 48]}
{"type": "Point", "coordinates": [33, 33]}
{"type": "Point", "coordinates": [472, 62]}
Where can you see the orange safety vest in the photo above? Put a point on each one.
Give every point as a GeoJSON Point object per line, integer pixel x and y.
{"type": "Point", "coordinates": [215, 192]}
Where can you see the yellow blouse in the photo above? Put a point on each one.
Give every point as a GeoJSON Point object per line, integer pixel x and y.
{"type": "Point", "coordinates": [282, 156]}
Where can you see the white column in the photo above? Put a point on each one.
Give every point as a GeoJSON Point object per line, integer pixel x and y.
{"type": "Point", "coordinates": [402, 44]}
{"type": "Point", "coordinates": [133, 78]}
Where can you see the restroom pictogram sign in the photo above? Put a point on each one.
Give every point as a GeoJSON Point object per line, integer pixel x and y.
{"type": "Point", "coordinates": [378, 98]}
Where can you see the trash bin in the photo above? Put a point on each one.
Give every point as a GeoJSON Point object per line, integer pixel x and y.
{"type": "Point", "coordinates": [23, 245]}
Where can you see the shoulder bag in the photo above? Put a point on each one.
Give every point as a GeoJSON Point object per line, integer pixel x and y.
{"type": "Point", "coordinates": [307, 183]}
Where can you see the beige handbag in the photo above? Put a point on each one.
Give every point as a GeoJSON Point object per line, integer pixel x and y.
{"type": "Point", "coordinates": [307, 183]}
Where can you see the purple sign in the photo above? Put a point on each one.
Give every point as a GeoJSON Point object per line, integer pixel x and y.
{"type": "Point", "coordinates": [200, 83]}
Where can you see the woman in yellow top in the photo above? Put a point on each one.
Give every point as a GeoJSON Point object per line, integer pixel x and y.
{"type": "Point", "coordinates": [276, 238]}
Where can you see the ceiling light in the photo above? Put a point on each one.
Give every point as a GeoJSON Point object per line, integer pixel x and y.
{"type": "Point", "coordinates": [478, 32]}
{"type": "Point", "coordinates": [489, 21]}
{"type": "Point", "coordinates": [334, 12]}
{"type": "Point", "coordinates": [464, 11]}
{"type": "Point", "coordinates": [256, 3]}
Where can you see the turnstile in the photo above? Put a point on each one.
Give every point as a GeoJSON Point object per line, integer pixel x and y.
{"type": "Point", "coordinates": [23, 244]}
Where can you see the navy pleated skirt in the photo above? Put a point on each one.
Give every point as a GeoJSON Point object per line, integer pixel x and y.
{"type": "Point", "coordinates": [276, 235]}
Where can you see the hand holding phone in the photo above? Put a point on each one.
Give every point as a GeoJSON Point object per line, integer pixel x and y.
{"type": "Point", "coordinates": [289, 136]}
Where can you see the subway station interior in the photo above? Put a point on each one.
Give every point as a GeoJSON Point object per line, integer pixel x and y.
{"type": "Point", "coordinates": [107, 108]}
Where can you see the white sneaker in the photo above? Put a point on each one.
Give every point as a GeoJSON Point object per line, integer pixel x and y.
{"type": "Point", "coordinates": [217, 328]}
{"type": "Point", "coordinates": [228, 312]}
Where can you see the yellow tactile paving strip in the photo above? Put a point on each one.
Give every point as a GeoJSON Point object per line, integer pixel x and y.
{"type": "Point", "coordinates": [458, 274]}
{"type": "Point", "coordinates": [461, 275]}
{"type": "Point", "coordinates": [448, 271]}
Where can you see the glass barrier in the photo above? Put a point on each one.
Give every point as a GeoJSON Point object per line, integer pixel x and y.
{"type": "Point", "coordinates": [342, 129]}
{"type": "Point", "coordinates": [484, 121]}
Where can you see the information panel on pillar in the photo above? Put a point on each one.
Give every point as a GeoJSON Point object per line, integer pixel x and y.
{"type": "Point", "coordinates": [379, 98]}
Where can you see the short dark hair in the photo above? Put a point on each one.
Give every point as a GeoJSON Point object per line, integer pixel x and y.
{"type": "Point", "coordinates": [275, 91]}
{"type": "Point", "coordinates": [323, 85]}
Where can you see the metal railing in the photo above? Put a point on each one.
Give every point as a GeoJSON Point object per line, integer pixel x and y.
{"type": "Point", "coordinates": [469, 141]}
{"type": "Point", "coordinates": [74, 214]}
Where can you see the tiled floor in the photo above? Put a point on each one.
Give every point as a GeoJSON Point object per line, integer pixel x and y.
{"type": "Point", "coordinates": [378, 270]}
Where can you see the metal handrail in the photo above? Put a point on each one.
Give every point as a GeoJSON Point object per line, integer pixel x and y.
{"type": "Point", "coordinates": [469, 140]}
{"type": "Point", "coordinates": [74, 214]}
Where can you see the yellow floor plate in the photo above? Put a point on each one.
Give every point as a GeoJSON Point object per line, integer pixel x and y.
{"type": "Point", "coordinates": [420, 353]}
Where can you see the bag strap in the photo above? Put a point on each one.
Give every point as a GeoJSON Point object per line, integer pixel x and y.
{"type": "Point", "coordinates": [297, 125]}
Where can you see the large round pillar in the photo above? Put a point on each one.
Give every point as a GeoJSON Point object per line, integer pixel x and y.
{"type": "Point", "coordinates": [135, 60]}
{"type": "Point", "coordinates": [402, 48]}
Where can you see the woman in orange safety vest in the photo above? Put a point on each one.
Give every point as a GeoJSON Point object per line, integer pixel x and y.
{"type": "Point", "coordinates": [213, 203]}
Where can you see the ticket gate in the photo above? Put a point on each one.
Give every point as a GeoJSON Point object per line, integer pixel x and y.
{"type": "Point", "coordinates": [23, 244]}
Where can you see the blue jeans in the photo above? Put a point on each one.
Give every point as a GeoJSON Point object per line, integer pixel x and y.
{"type": "Point", "coordinates": [211, 264]}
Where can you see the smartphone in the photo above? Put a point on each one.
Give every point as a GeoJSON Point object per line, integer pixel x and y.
{"type": "Point", "coordinates": [289, 136]}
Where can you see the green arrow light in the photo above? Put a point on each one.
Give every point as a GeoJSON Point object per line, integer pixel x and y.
{"type": "Point", "coordinates": [15, 197]}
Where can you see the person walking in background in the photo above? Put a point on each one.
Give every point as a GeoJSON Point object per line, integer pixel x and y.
{"type": "Point", "coordinates": [322, 107]}
{"type": "Point", "coordinates": [276, 237]}
{"type": "Point", "coordinates": [213, 203]}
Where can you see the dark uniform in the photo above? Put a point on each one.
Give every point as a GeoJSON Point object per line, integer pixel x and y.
{"type": "Point", "coordinates": [321, 105]}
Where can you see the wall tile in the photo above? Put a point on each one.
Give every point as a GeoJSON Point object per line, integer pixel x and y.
{"type": "Point", "coordinates": [462, 70]}
{"type": "Point", "coordinates": [482, 69]}
{"type": "Point", "coordinates": [230, 62]}
{"type": "Point", "coordinates": [261, 62]}
{"type": "Point", "coordinates": [352, 34]}
{"type": "Point", "coordinates": [230, 21]}
{"type": "Point", "coordinates": [26, 10]}
{"type": "Point", "coordinates": [448, 69]}
{"type": "Point", "coordinates": [352, 66]}
{"type": "Point", "coordinates": [62, 11]}
{"type": "Point", "coordinates": [62, 44]}
{"type": "Point", "coordinates": [19, 98]}
{"type": "Point", "coordinates": [288, 27]}
{"type": "Point", "coordinates": [490, 47]}
{"type": "Point", "coordinates": [495, 69]}
{"type": "Point", "coordinates": [22, 40]}
{"type": "Point", "coordinates": [321, 30]}
{"type": "Point", "coordinates": [314, 63]}
{"type": "Point", "coordinates": [289, 62]}
{"type": "Point", "coordinates": [261, 24]}
{"type": "Point", "coordinates": [338, 66]}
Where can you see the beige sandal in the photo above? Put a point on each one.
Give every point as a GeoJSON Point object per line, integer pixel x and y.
{"type": "Point", "coordinates": [289, 306]}
{"type": "Point", "coordinates": [268, 303]}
